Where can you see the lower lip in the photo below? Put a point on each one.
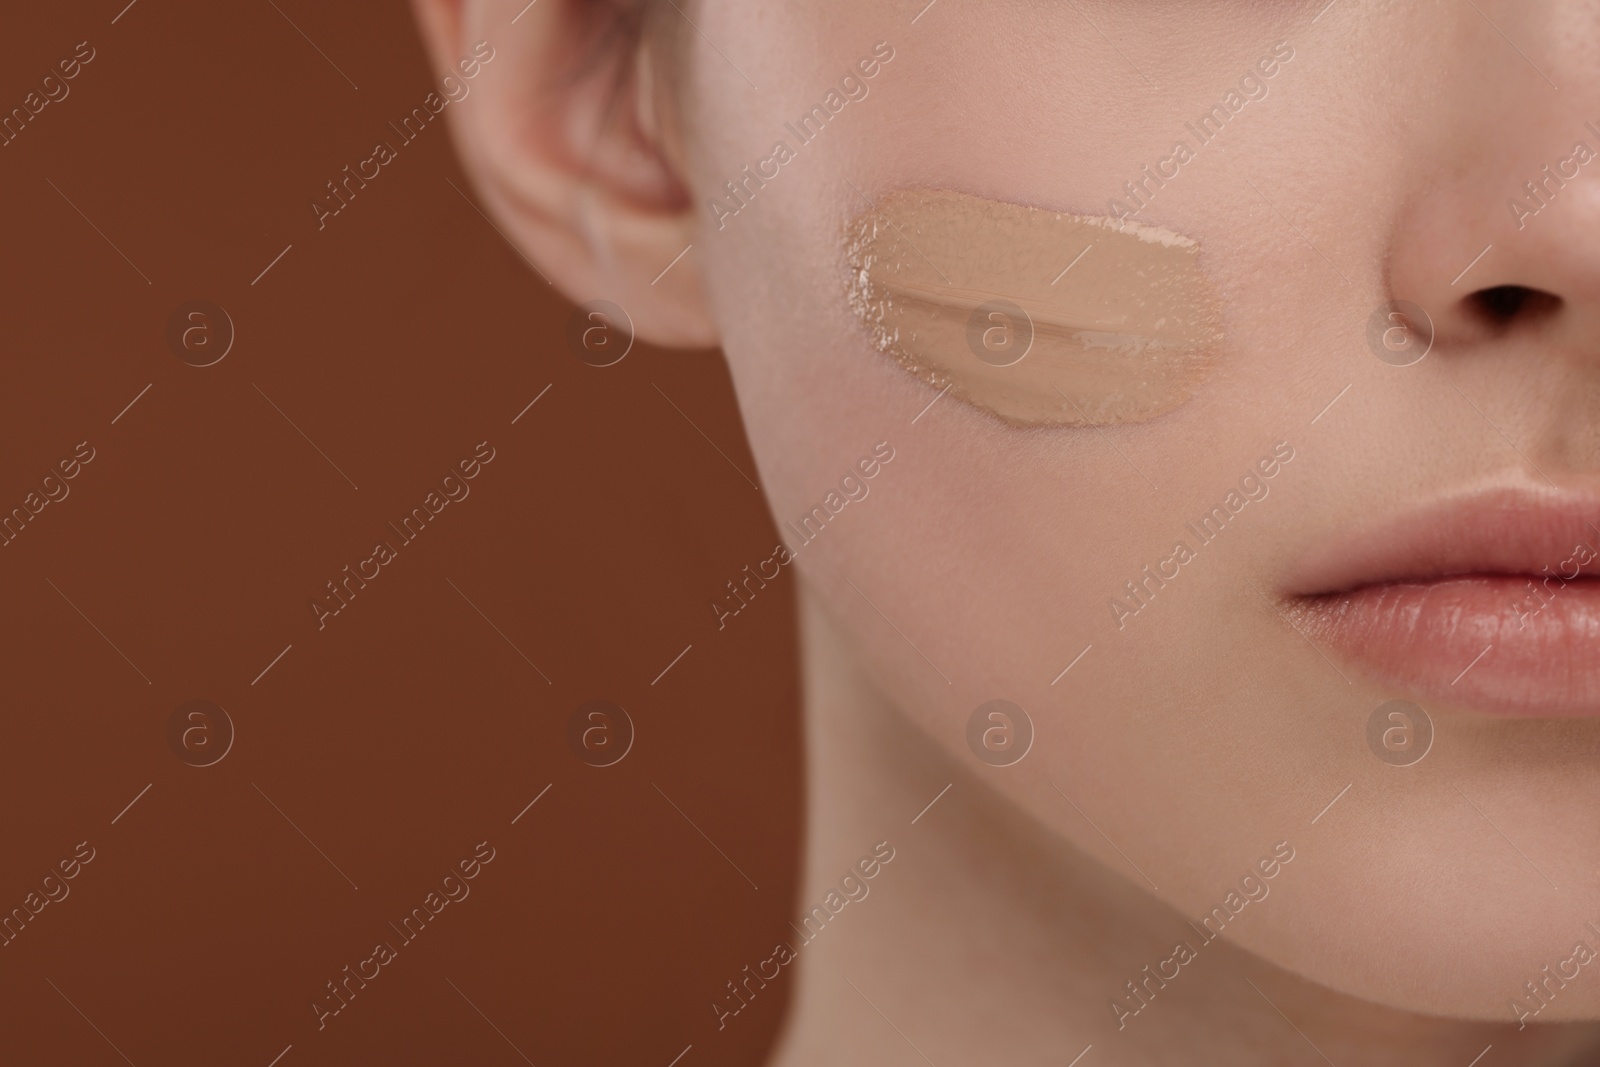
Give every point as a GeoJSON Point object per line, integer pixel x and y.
{"type": "Point", "coordinates": [1489, 644]}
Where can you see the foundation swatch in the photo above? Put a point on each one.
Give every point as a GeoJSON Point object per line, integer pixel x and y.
{"type": "Point", "coordinates": [1039, 317]}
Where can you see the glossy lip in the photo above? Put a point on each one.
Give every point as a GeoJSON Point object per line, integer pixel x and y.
{"type": "Point", "coordinates": [1477, 600]}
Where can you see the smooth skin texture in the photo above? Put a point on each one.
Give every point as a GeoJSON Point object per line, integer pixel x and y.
{"type": "Point", "coordinates": [1202, 731]}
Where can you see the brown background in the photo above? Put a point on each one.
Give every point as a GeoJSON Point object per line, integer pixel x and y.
{"type": "Point", "coordinates": [408, 729]}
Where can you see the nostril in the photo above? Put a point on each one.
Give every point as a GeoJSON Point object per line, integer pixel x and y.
{"type": "Point", "coordinates": [1503, 305]}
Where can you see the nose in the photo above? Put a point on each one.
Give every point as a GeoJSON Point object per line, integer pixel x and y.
{"type": "Point", "coordinates": [1500, 245]}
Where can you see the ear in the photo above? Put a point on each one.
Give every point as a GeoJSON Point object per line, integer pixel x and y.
{"type": "Point", "coordinates": [565, 133]}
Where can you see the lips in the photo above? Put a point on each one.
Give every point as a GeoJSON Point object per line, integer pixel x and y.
{"type": "Point", "coordinates": [1488, 601]}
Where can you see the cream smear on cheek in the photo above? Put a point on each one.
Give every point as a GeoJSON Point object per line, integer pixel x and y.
{"type": "Point", "coordinates": [1039, 317]}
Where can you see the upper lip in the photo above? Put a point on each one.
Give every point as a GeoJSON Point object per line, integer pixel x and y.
{"type": "Point", "coordinates": [1499, 531]}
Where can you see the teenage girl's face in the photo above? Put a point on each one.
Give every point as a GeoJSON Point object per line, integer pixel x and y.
{"type": "Point", "coordinates": [1250, 516]}
{"type": "Point", "coordinates": [1218, 709]}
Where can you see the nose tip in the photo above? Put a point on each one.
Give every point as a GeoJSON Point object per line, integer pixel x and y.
{"type": "Point", "coordinates": [1505, 248]}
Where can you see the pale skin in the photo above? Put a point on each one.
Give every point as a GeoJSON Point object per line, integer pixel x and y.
{"type": "Point", "coordinates": [1195, 736]}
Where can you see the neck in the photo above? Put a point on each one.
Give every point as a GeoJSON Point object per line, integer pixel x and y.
{"type": "Point", "coordinates": [985, 939]}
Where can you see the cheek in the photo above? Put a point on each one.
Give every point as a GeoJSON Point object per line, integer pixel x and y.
{"type": "Point", "coordinates": [965, 293]}
{"type": "Point", "coordinates": [1170, 729]}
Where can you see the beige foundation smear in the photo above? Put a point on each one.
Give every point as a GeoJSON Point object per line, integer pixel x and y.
{"type": "Point", "coordinates": [1039, 317]}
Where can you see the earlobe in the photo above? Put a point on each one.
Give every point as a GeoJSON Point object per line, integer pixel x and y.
{"type": "Point", "coordinates": [565, 138]}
